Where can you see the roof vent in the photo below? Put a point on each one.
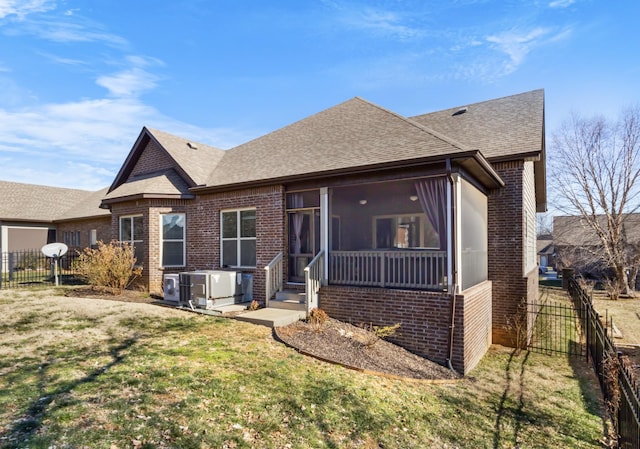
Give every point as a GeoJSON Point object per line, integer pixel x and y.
{"type": "Point", "coordinates": [193, 146]}
{"type": "Point", "coordinates": [460, 111]}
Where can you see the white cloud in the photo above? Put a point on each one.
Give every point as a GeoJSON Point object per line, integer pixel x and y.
{"type": "Point", "coordinates": [377, 21]}
{"type": "Point", "coordinates": [128, 83]}
{"type": "Point", "coordinates": [22, 8]}
{"type": "Point", "coordinates": [517, 44]}
{"type": "Point", "coordinates": [384, 22]}
{"type": "Point", "coordinates": [133, 80]}
{"type": "Point", "coordinates": [62, 60]}
{"type": "Point", "coordinates": [66, 31]}
{"type": "Point", "coordinates": [561, 3]}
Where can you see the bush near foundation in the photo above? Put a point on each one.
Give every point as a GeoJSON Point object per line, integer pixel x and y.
{"type": "Point", "coordinates": [110, 266]}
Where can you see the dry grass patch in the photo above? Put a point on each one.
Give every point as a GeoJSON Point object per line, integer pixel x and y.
{"type": "Point", "coordinates": [150, 377]}
{"type": "Point", "coordinates": [625, 313]}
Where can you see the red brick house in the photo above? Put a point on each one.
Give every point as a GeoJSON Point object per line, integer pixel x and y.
{"type": "Point", "coordinates": [33, 215]}
{"type": "Point", "coordinates": [427, 221]}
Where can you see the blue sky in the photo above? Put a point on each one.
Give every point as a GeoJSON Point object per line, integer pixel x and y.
{"type": "Point", "coordinates": [80, 78]}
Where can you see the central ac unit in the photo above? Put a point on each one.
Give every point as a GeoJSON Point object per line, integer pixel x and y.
{"type": "Point", "coordinates": [194, 289]}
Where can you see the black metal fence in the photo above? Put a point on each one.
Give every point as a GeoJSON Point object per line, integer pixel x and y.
{"type": "Point", "coordinates": [618, 384]}
{"type": "Point", "coordinates": [31, 267]}
{"type": "Point", "coordinates": [557, 328]}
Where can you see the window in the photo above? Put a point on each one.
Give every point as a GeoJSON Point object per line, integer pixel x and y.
{"type": "Point", "coordinates": [404, 231]}
{"type": "Point", "coordinates": [132, 232]}
{"type": "Point", "coordinates": [173, 247]}
{"type": "Point", "coordinates": [238, 238]}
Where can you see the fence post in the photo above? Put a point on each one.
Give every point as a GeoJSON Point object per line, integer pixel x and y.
{"type": "Point", "coordinates": [11, 267]}
{"type": "Point", "coordinates": [567, 273]}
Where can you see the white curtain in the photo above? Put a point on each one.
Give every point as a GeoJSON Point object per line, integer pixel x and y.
{"type": "Point", "coordinates": [298, 218]}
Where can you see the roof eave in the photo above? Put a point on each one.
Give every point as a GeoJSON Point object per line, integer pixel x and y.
{"type": "Point", "coordinates": [482, 170]}
{"type": "Point", "coordinates": [88, 217]}
{"type": "Point", "coordinates": [145, 196]}
{"type": "Point", "coordinates": [491, 176]}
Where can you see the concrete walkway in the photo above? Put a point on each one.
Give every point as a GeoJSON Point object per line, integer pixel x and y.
{"type": "Point", "coordinates": [271, 317]}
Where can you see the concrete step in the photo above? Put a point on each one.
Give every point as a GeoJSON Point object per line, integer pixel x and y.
{"type": "Point", "coordinates": [271, 317]}
{"type": "Point", "coordinates": [291, 296]}
{"type": "Point", "coordinates": [287, 305]}
{"type": "Point", "coordinates": [288, 300]}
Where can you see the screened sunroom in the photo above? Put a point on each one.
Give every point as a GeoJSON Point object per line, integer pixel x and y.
{"type": "Point", "coordinates": [425, 233]}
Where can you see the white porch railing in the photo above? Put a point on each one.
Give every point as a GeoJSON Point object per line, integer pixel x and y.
{"type": "Point", "coordinates": [273, 278]}
{"type": "Point", "coordinates": [400, 269]}
{"type": "Point", "coordinates": [313, 276]}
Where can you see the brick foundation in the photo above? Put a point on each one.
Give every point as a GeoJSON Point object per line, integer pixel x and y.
{"type": "Point", "coordinates": [425, 319]}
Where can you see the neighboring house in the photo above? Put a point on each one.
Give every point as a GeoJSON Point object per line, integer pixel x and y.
{"type": "Point", "coordinates": [32, 216]}
{"type": "Point", "coordinates": [578, 246]}
{"type": "Point", "coordinates": [426, 221]}
{"type": "Point", "coordinates": [546, 252]}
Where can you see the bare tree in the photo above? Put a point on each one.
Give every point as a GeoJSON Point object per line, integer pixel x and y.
{"type": "Point", "coordinates": [595, 174]}
{"type": "Point", "coordinates": [544, 223]}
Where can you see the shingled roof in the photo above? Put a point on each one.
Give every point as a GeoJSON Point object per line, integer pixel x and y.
{"type": "Point", "coordinates": [164, 183]}
{"type": "Point", "coordinates": [503, 129]}
{"type": "Point", "coordinates": [573, 230]}
{"type": "Point", "coordinates": [35, 203]}
{"type": "Point", "coordinates": [353, 134]}
{"type": "Point", "coordinates": [193, 163]}
{"type": "Point", "coordinates": [196, 159]}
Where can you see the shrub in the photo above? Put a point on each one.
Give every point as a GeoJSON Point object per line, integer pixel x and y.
{"type": "Point", "coordinates": [110, 266]}
{"type": "Point", "coordinates": [255, 305]}
{"type": "Point", "coordinates": [317, 317]}
{"type": "Point", "coordinates": [377, 333]}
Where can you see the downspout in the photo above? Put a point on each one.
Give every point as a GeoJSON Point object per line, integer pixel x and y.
{"type": "Point", "coordinates": [454, 274]}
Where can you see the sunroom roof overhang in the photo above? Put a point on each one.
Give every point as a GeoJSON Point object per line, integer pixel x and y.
{"type": "Point", "coordinates": [472, 162]}
{"type": "Point", "coordinates": [145, 196]}
{"type": "Point", "coordinates": [476, 165]}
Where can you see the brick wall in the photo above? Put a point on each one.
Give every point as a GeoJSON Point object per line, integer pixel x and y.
{"type": "Point", "coordinates": [477, 323]}
{"type": "Point", "coordinates": [509, 226]}
{"type": "Point", "coordinates": [152, 159]}
{"type": "Point", "coordinates": [203, 229]}
{"type": "Point", "coordinates": [157, 208]}
{"type": "Point", "coordinates": [424, 317]}
{"type": "Point", "coordinates": [130, 208]}
{"type": "Point", "coordinates": [102, 226]}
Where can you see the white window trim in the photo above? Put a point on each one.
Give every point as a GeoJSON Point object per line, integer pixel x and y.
{"type": "Point", "coordinates": [131, 242]}
{"type": "Point", "coordinates": [238, 238]}
{"type": "Point", "coordinates": [183, 240]}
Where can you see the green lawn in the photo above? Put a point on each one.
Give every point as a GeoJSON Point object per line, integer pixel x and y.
{"type": "Point", "coordinates": [101, 374]}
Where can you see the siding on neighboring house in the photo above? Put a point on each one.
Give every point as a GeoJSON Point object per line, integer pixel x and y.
{"type": "Point", "coordinates": [529, 206]}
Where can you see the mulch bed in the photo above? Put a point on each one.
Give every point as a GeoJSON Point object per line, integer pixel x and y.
{"type": "Point", "coordinates": [349, 345]}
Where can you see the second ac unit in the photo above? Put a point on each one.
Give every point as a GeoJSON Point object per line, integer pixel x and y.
{"type": "Point", "coordinates": [171, 287]}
